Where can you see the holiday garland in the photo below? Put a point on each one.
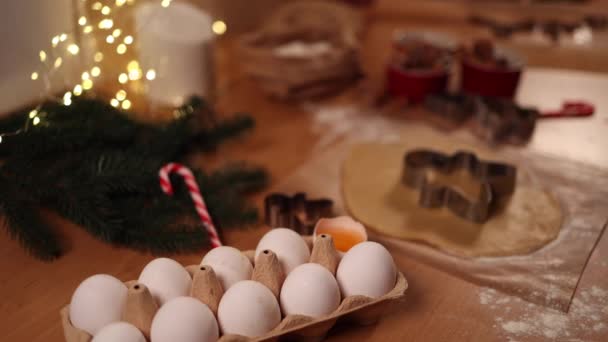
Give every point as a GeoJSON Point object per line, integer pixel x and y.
{"type": "Point", "coordinates": [94, 166]}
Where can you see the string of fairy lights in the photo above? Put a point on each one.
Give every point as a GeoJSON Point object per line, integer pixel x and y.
{"type": "Point", "coordinates": [99, 20]}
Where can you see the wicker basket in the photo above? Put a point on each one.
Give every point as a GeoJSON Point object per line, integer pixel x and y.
{"type": "Point", "coordinates": [299, 77]}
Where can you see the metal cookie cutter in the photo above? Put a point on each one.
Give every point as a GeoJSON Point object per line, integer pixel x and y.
{"type": "Point", "coordinates": [295, 212]}
{"type": "Point", "coordinates": [501, 120]}
{"type": "Point", "coordinates": [456, 108]}
{"type": "Point", "coordinates": [495, 180]}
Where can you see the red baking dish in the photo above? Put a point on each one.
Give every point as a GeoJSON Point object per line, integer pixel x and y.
{"type": "Point", "coordinates": [483, 80]}
{"type": "Point", "coordinates": [416, 84]}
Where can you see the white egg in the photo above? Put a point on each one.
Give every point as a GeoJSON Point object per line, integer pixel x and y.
{"type": "Point", "coordinates": [97, 302]}
{"type": "Point", "coordinates": [166, 279]}
{"type": "Point", "coordinates": [249, 309]}
{"type": "Point", "coordinates": [119, 331]}
{"type": "Point", "coordinates": [310, 290]}
{"type": "Point", "coordinates": [229, 264]}
{"type": "Point", "coordinates": [289, 246]}
{"type": "Point", "coordinates": [366, 269]}
{"type": "Point", "coordinates": [184, 319]}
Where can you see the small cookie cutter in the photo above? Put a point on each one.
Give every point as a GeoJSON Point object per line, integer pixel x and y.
{"type": "Point", "coordinates": [495, 120]}
{"type": "Point", "coordinates": [456, 108]}
{"type": "Point", "coordinates": [295, 212]}
{"type": "Point", "coordinates": [500, 120]}
{"type": "Point", "coordinates": [495, 180]}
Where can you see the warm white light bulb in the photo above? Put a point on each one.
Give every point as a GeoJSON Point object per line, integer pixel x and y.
{"type": "Point", "coordinates": [110, 39]}
{"type": "Point", "coordinates": [82, 21]}
{"type": "Point", "coordinates": [34, 76]}
{"type": "Point", "coordinates": [116, 33]}
{"type": "Point", "coordinates": [87, 84]}
{"type": "Point", "coordinates": [135, 74]}
{"type": "Point", "coordinates": [42, 55]}
{"type": "Point", "coordinates": [151, 74]}
{"type": "Point", "coordinates": [126, 104]}
{"type": "Point", "coordinates": [165, 3]}
{"type": "Point", "coordinates": [98, 57]}
{"type": "Point", "coordinates": [58, 62]}
{"type": "Point", "coordinates": [88, 29]}
{"type": "Point", "coordinates": [219, 27]}
{"type": "Point", "coordinates": [114, 103]}
{"type": "Point", "coordinates": [121, 49]}
{"type": "Point", "coordinates": [133, 65]}
{"type": "Point", "coordinates": [121, 95]}
{"type": "Point", "coordinates": [123, 78]}
{"type": "Point", "coordinates": [73, 49]}
{"type": "Point", "coordinates": [106, 10]}
{"type": "Point", "coordinates": [128, 40]}
{"type": "Point", "coordinates": [106, 24]}
{"type": "Point", "coordinates": [67, 98]}
{"type": "Point", "coordinates": [77, 90]}
{"type": "Point", "coordinates": [95, 71]}
{"type": "Point", "coordinates": [36, 121]}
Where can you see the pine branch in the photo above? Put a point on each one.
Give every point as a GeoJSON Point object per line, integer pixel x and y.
{"type": "Point", "coordinates": [178, 239]}
{"type": "Point", "coordinates": [210, 138]}
{"type": "Point", "coordinates": [99, 169]}
{"type": "Point", "coordinates": [93, 212]}
{"type": "Point", "coordinates": [22, 221]}
{"type": "Point", "coordinates": [240, 177]}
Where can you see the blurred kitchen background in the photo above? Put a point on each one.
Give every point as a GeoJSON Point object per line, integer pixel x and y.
{"type": "Point", "coordinates": [28, 26]}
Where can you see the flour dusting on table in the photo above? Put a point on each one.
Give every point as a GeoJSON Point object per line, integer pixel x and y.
{"type": "Point", "coordinates": [587, 314]}
{"type": "Point", "coordinates": [338, 121]}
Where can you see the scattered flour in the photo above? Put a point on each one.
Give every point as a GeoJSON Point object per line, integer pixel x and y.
{"type": "Point", "coordinates": [554, 262]}
{"type": "Point", "coordinates": [517, 328]}
{"type": "Point", "coordinates": [597, 292]}
{"type": "Point", "coordinates": [338, 121]}
{"type": "Point", "coordinates": [588, 314]}
{"type": "Point", "coordinates": [486, 297]}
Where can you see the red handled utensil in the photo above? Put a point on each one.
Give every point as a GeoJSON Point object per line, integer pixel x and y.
{"type": "Point", "coordinates": [570, 109]}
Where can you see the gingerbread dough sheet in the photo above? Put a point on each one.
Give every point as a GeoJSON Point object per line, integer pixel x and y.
{"type": "Point", "coordinates": [374, 194]}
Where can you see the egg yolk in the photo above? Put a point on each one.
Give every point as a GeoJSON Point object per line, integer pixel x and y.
{"type": "Point", "coordinates": [344, 239]}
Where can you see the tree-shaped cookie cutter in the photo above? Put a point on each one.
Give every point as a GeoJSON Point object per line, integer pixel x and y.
{"type": "Point", "coordinates": [495, 180]}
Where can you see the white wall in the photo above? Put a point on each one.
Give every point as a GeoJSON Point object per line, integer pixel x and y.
{"type": "Point", "coordinates": [26, 27]}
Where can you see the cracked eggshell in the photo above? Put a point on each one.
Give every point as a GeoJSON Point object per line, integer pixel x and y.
{"type": "Point", "coordinates": [310, 290]}
{"type": "Point", "coordinates": [97, 302]}
{"type": "Point", "coordinates": [289, 247]}
{"type": "Point", "coordinates": [229, 264]}
{"type": "Point", "coordinates": [249, 309]}
{"type": "Point", "coordinates": [366, 269]}
{"type": "Point", "coordinates": [119, 331]}
{"type": "Point", "coordinates": [184, 319]}
{"type": "Point", "coordinates": [166, 279]}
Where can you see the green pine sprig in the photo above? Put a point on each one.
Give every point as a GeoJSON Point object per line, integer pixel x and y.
{"type": "Point", "coordinates": [96, 167]}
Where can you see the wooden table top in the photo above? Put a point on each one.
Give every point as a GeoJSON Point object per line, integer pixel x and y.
{"type": "Point", "coordinates": [438, 307]}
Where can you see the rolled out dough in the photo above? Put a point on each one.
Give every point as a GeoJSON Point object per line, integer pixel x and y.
{"type": "Point", "coordinates": [373, 193]}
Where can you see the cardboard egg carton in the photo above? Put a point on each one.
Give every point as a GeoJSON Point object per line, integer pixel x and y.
{"type": "Point", "coordinates": [141, 307]}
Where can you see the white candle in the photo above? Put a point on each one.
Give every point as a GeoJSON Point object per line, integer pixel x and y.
{"type": "Point", "coordinates": [176, 43]}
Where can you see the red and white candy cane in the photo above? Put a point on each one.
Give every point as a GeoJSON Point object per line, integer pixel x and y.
{"type": "Point", "coordinates": [195, 194]}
